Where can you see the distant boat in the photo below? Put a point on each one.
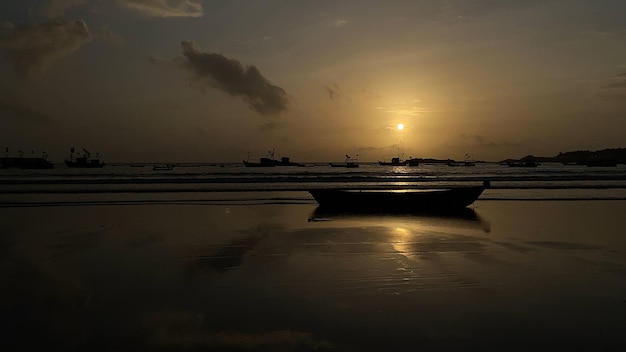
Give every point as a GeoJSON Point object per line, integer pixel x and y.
{"type": "Point", "coordinates": [270, 161]}
{"type": "Point", "coordinates": [164, 167]}
{"type": "Point", "coordinates": [394, 162]}
{"type": "Point", "coordinates": [467, 162]}
{"type": "Point", "coordinates": [84, 161]}
{"type": "Point", "coordinates": [349, 163]}
{"type": "Point", "coordinates": [448, 199]}
{"type": "Point", "coordinates": [397, 161]}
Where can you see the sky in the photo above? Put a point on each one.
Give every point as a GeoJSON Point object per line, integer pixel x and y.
{"type": "Point", "coordinates": [219, 80]}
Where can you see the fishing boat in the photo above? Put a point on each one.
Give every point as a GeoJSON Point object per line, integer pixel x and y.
{"type": "Point", "coordinates": [440, 199]}
{"type": "Point", "coordinates": [84, 161]}
{"type": "Point", "coordinates": [394, 162]}
{"type": "Point", "coordinates": [270, 161]}
{"type": "Point", "coordinates": [22, 162]}
{"type": "Point", "coordinates": [349, 163]}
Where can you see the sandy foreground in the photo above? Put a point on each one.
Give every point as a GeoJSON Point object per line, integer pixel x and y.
{"type": "Point", "coordinates": [508, 275]}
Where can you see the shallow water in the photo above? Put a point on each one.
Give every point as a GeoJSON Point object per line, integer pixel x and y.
{"type": "Point", "coordinates": [548, 181]}
{"type": "Point", "coordinates": [231, 276]}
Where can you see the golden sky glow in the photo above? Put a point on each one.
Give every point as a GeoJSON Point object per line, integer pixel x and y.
{"type": "Point", "coordinates": [194, 80]}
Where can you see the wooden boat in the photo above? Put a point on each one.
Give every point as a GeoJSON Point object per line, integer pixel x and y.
{"type": "Point", "coordinates": [448, 199]}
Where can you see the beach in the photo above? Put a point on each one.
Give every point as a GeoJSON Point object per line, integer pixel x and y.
{"type": "Point", "coordinates": [507, 275]}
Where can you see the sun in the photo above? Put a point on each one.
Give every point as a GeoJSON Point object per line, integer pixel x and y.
{"type": "Point", "coordinates": [400, 126]}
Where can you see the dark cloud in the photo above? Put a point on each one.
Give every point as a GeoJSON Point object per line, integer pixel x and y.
{"type": "Point", "coordinates": [230, 76]}
{"type": "Point", "coordinates": [164, 8]}
{"type": "Point", "coordinates": [35, 48]}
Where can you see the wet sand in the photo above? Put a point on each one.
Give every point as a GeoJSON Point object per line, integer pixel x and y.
{"type": "Point", "coordinates": [507, 275]}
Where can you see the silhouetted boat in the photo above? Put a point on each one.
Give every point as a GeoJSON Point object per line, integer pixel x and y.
{"type": "Point", "coordinates": [270, 161]}
{"type": "Point", "coordinates": [84, 161]}
{"type": "Point", "coordinates": [449, 199]}
{"type": "Point", "coordinates": [349, 163]}
{"type": "Point", "coordinates": [394, 162]}
{"type": "Point", "coordinates": [467, 162]}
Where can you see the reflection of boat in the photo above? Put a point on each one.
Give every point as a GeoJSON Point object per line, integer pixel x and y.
{"type": "Point", "coordinates": [270, 161]}
{"type": "Point", "coordinates": [448, 199]}
{"type": "Point", "coordinates": [165, 167]}
{"type": "Point", "coordinates": [462, 217]}
{"type": "Point", "coordinates": [349, 163]}
{"type": "Point", "coordinates": [84, 161]}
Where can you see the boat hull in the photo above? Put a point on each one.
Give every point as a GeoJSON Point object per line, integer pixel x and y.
{"type": "Point", "coordinates": [407, 200]}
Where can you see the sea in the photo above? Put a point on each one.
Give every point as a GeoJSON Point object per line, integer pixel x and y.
{"type": "Point", "coordinates": [235, 183]}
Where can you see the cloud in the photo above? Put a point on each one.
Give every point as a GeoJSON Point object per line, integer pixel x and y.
{"type": "Point", "coordinates": [57, 8]}
{"type": "Point", "coordinates": [35, 48]}
{"type": "Point", "coordinates": [615, 88]}
{"type": "Point", "coordinates": [230, 76]}
{"type": "Point", "coordinates": [164, 8]}
{"type": "Point", "coordinates": [340, 22]}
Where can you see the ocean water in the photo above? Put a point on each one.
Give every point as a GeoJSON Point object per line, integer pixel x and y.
{"type": "Point", "coordinates": [212, 258]}
{"type": "Point", "coordinates": [211, 182]}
